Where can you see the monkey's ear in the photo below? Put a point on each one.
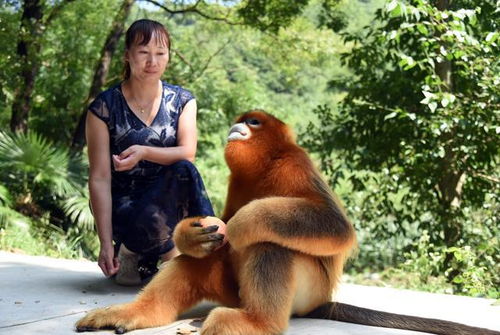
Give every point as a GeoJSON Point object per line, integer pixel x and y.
{"type": "Point", "coordinates": [289, 134]}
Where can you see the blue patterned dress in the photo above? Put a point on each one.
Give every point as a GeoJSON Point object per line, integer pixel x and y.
{"type": "Point", "coordinates": [150, 199]}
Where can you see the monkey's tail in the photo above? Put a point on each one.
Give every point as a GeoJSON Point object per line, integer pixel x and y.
{"type": "Point", "coordinates": [364, 316]}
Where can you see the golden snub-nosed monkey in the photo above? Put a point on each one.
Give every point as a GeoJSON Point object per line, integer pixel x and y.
{"type": "Point", "coordinates": [288, 238]}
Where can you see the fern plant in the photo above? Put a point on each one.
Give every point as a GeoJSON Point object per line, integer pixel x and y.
{"type": "Point", "coordinates": [43, 187]}
{"type": "Point", "coordinates": [29, 163]}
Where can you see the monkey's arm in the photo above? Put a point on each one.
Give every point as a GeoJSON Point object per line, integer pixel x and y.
{"type": "Point", "coordinates": [295, 223]}
{"type": "Point", "coordinates": [194, 240]}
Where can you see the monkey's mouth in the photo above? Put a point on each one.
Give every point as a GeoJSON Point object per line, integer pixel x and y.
{"type": "Point", "coordinates": [239, 131]}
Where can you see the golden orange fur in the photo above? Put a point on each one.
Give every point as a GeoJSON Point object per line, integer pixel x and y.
{"type": "Point", "coordinates": [288, 239]}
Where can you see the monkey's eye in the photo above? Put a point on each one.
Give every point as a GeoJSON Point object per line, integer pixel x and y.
{"type": "Point", "coordinates": [252, 122]}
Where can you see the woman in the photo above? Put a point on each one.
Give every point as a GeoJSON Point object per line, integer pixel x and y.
{"type": "Point", "coordinates": [141, 137]}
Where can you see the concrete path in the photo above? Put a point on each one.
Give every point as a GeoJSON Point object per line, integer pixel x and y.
{"type": "Point", "coordinates": [41, 295]}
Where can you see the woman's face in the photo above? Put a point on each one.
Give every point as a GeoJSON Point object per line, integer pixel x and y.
{"type": "Point", "coordinates": [148, 62]}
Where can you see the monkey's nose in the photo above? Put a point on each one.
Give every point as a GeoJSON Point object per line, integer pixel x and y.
{"type": "Point", "coordinates": [239, 131]}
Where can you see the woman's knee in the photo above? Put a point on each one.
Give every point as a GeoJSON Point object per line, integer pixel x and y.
{"type": "Point", "coordinates": [184, 169]}
{"type": "Point", "coordinates": [182, 164]}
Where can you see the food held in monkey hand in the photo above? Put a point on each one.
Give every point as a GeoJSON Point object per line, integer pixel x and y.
{"type": "Point", "coordinates": [208, 221]}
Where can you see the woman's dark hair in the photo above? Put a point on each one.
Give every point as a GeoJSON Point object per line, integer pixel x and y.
{"type": "Point", "coordinates": [140, 32]}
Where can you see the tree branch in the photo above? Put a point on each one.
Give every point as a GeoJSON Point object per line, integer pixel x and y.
{"type": "Point", "coordinates": [486, 177]}
{"type": "Point", "coordinates": [204, 68]}
{"type": "Point", "coordinates": [55, 11]}
{"type": "Point", "coordinates": [193, 9]}
{"type": "Point", "coordinates": [183, 59]}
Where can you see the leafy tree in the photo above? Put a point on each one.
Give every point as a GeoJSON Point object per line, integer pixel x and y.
{"type": "Point", "coordinates": [271, 15]}
{"type": "Point", "coordinates": [422, 112]}
{"type": "Point", "coordinates": [36, 16]}
{"type": "Point", "coordinates": [102, 68]}
{"type": "Point", "coordinates": [9, 19]}
{"type": "Point", "coordinates": [68, 49]}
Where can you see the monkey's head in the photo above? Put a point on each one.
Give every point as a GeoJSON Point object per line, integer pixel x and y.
{"type": "Point", "coordinates": [254, 139]}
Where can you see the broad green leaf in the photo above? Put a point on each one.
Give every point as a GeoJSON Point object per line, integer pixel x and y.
{"type": "Point", "coordinates": [441, 152]}
{"type": "Point", "coordinates": [390, 116]}
{"type": "Point", "coordinates": [396, 9]}
{"type": "Point", "coordinates": [391, 6]}
{"type": "Point", "coordinates": [422, 28]}
{"type": "Point", "coordinates": [491, 37]}
{"type": "Point", "coordinates": [445, 102]}
{"type": "Point", "coordinates": [432, 106]}
{"type": "Point", "coordinates": [393, 34]}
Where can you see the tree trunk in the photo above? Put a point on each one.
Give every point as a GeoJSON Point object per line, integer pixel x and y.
{"type": "Point", "coordinates": [452, 179]}
{"type": "Point", "coordinates": [450, 188]}
{"type": "Point", "coordinates": [102, 69]}
{"type": "Point", "coordinates": [28, 48]}
{"type": "Point", "coordinates": [443, 69]}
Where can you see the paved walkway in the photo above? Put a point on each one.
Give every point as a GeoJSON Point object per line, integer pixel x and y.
{"type": "Point", "coordinates": [41, 295]}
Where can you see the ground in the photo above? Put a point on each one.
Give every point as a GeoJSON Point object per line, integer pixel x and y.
{"type": "Point", "coordinates": [47, 296]}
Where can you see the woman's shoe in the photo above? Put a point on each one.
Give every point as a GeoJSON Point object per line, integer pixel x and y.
{"type": "Point", "coordinates": [128, 273]}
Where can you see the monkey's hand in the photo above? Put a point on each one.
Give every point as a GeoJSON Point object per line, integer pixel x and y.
{"type": "Point", "coordinates": [193, 239]}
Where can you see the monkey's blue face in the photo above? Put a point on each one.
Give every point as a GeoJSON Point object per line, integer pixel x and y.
{"type": "Point", "coordinates": [243, 129]}
{"type": "Point", "coordinates": [239, 131]}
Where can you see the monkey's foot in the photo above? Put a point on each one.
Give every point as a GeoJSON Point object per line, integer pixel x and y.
{"type": "Point", "coordinates": [121, 318]}
{"type": "Point", "coordinates": [231, 321]}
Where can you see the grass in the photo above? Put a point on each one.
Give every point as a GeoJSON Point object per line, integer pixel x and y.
{"type": "Point", "coordinates": [52, 243]}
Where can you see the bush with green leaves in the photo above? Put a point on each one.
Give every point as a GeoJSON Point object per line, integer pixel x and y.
{"type": "Point", "coordinates": [419, 131]}
{"type": "Point", "coordinates": [43, 197]}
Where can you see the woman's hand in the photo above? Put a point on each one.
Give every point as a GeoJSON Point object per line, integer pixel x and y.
{"type": "Point", "coordinates": [107, 261]}
{"type": "Point", "coordinates": [129, 158]}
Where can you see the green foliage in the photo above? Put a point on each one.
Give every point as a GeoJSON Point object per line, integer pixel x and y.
{"type": "Point", "coordinates": [78, 211]}
{"type": "Point", "coordinates": [44, 202]}
{"type": "Point", "coordinates": [42, 239]}
{"type": "Point", "coordinates": [10, 217]}
{"type": "Point", "coordinates": [271, 15]}
{"type": "Point", "coordinates": [332, 18]}
{"type": "Point", "coordinates": [9, 25]}
{"type": "Point", "coordinates": [427, 135]}
{"type": "Point", "coordinates": [70, 50]}
{"type": "Point", "coordinates": [30, 164]}
{"type": "Point", "coordinates": [475, 265]}
{"type": "Point", "coordinates": [5, 196]}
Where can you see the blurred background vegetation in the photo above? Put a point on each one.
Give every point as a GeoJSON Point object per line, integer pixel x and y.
{"type": "Point", "coordinates": [397, 101]}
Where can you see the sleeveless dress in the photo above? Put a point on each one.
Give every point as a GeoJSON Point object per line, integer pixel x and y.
{"type": "Point", "coordinates": [150, 199]}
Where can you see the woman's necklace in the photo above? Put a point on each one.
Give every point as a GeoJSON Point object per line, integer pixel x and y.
{"type": "Point", "coordinates": [142, 107]}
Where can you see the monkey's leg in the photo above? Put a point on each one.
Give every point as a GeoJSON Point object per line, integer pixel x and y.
{"type": "Point", "coordinates": [267, 288]}
{"type": "Point", "coordinates": [178, 286]}
{"type": "Point", "coordinates": [318, 229]}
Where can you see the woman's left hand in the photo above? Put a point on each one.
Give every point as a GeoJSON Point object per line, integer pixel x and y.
{"type": "Point", "coordinates": [128, 158]}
